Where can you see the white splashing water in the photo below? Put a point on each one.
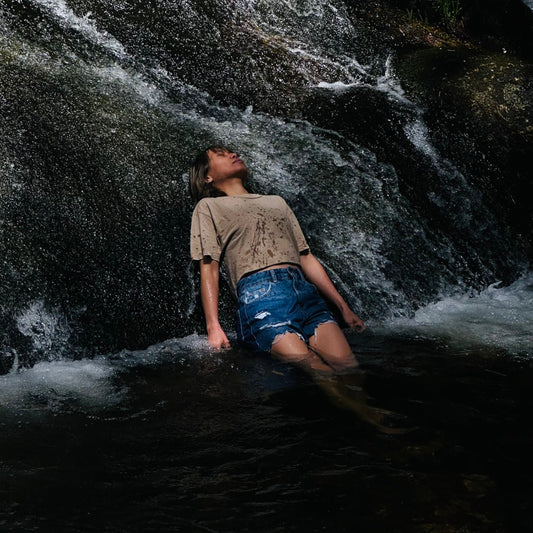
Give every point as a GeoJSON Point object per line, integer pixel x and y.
{"type": "Point", "coordinates": [495, 318]}
{"type": "Point", "coordinates": [48, 330]}
{"type": "Point", "coordinates": [89, 386]}
{"type": "Point", "coordinates": [84, 385]}
{"type": "Point", "coordinates": [417, 132]}
{"type": "Point", "coordinates": [66, 16]}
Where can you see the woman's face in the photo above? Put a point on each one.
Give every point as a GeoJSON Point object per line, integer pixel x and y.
{"type": "Point", "coordinates": [224, 165]}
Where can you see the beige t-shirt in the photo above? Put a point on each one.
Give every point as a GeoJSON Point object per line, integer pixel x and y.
{"type": "Point", "coordinates": [248, 232]}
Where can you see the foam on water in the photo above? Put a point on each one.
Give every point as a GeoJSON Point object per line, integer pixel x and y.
{"type": "Point", "coordinates": [176, 350]}
{"type": "Point", "coordinates": [84, 385]}
{"type": "Point", "coordinates": [90, 386]}
{"type": "Point", "coordinates": [496, 318]}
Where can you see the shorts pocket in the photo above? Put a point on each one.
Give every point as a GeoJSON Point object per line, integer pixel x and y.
{"type": "Point", "coordinates": [254, 293]}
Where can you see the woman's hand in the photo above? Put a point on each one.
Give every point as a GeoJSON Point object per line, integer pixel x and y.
{"type": "Point", "coordinates": [352, 320]}
{"type": "Point", "coordinates": [217, 339]}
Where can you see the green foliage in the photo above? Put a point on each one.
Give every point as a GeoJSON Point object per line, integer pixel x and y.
{"type": "Point", "coordinates": [446, 11]}
{"type": "Point", "coordinates": [449, 10]}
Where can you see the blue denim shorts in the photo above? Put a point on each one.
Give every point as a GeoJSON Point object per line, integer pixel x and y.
{"type": "Point", "coordinates": [277, 301]}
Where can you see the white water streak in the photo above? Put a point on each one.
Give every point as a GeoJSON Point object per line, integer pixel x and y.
{"type": "Point", "coordinates": [64, 14]}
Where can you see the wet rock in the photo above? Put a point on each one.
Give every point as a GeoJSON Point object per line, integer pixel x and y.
{"type": "Point", "coordinates": [473, 79]}
{"type": "Point", "coordinates": [93, 211]}
{"type": "Point", "coordinates": [480, 112]}
{"type": "Point", "coordinates": [90, 217]}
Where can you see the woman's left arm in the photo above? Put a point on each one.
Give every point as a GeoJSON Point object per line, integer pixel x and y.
{"type": "Point", "coordinates": [315, 273]}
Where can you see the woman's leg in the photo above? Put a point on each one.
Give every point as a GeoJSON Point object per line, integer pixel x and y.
{"type": "Point", "coordinates": [289, 348]}
{"type": "Point", "coordinates": [331, 344]}
{"type": "Point", "coordinates": [345, 391]}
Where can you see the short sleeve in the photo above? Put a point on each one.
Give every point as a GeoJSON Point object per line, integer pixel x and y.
{"type": "Point", "coordinates": [204, 241]}
{"type": "Point", "coordinates": [297, 233]}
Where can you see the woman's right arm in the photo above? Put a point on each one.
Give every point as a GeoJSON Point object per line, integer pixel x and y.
{"type": "Point", "coordinates": [209, 292]}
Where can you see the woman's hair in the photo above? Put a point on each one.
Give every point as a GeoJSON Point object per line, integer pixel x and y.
{"type": "Point", "coordinates": [198, 170]}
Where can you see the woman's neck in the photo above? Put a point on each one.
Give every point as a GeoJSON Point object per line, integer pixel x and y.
{"type": "Point", "coordinates": [233, 187]}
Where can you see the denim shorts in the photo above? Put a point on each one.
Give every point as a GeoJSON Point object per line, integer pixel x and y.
{"type": "Point", "coordinates": [277, 301]}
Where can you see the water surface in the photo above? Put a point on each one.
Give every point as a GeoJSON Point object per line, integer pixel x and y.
{"type": "Point", "coordinates": [178, 438]}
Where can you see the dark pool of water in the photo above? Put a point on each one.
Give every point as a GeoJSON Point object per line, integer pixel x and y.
{"type": "Point", "coordinates": [234, 444]}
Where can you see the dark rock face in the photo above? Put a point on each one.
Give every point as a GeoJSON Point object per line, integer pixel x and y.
{"type": "Point", "coordinates": [92, 217]}
{"type": "Point", "coordinates": [474, 81]}
{"type": "Point", "coordinates": [98, 124]}
{"type": "Point", "coordinates": [479, 110]}
{"type": "Point", "coordinates": [496, 24]}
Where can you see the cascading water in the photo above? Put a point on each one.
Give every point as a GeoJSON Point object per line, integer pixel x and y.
{"type": "Point", "coordinates": [101, 115]}
{"type": "Point", "coordinates": [102, 106]}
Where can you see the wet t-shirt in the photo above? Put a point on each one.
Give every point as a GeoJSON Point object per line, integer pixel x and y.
{"type": "Point", "coordinates": [248, 232]}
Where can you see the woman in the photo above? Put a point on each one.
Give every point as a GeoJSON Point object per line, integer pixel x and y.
{"type": "Point", "coordinates": [276, 278]}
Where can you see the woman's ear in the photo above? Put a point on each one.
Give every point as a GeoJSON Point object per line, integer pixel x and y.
{"type": "Point", "coordinates": [208, 179]}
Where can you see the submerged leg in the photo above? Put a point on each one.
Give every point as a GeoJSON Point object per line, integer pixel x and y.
{"type": "Point", "coordinates": [331, 344]}
{"type": "Point", "coordinates": [344, 390]}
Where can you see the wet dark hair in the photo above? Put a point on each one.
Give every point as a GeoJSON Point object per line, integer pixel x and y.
{"type": "Point", "coordinates": [198, 170]}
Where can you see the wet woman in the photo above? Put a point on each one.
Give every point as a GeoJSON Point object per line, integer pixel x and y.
{"type": "Point", "coordinates": [279, 284]}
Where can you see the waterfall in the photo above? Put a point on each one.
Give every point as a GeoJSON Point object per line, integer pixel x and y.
{"type": "Point", "coordinates": [103, 105]}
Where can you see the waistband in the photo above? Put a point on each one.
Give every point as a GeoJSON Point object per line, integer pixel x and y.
{"type": "Point", "coordinates": [274, 274]}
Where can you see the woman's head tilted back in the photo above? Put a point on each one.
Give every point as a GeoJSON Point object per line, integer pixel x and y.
{"type": "Point", "coordinates": [200, 185]}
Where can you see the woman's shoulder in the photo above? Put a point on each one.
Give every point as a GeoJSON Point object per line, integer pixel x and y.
{"type": "Point", "coordinates": [208, 202]}
{"type": "Point", "coordinates": [274, 198]}
{"type": "Point", "coordinates": [201, 204]}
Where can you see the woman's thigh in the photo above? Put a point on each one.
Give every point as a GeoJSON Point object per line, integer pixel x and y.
{"type": "Point", "coordinates": [290, 348]}
{"type": "Point", "coordinates": [331, 344]}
